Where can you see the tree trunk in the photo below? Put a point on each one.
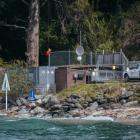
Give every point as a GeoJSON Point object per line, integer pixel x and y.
{"type": "Point", "coordinates": [33, 35]}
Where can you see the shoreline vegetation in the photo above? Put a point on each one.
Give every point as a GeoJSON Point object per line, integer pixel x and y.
{"type": "Point", "coordinates": [118, 102]}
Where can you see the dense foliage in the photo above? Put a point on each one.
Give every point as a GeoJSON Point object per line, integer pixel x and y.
{"type": "Point", "coordinates": [105, 25]}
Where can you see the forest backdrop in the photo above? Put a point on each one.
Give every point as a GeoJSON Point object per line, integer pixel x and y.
{"type": "Point", "coordinates": [105, 25]}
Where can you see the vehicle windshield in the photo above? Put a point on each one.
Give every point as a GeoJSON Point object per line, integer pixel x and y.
{"type": "Point", "coordinates": [134, 66]}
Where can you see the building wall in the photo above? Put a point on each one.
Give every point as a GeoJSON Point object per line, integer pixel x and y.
{"type": "Point", "coordinates": [61, 79]}
{"type": "Point", "coordinates": [64, 78]}
{"type": "Point", "coordinates": [71, 80]}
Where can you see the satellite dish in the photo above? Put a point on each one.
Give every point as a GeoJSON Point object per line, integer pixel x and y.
{"type": "Point", "coordinates": [80, 50]}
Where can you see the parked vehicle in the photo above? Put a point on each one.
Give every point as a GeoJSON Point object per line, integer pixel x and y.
{"type": "Point", "coordinates": [132, 72]}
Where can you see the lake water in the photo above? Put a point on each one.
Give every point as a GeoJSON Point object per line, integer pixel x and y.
{"type": "Point", "coordinates": [37, 129]}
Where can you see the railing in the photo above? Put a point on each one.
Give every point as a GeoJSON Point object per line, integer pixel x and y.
{"type": "Point", "coordinates": [105, 75]}
{"type": "Point", "coordinates": [62, 58]}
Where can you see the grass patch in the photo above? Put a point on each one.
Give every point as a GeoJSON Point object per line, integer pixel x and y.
{"type": "Point", "coordinates": [92, 90]}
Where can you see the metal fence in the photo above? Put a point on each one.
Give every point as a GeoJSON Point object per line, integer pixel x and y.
{"type": "Point", "coordinates": [19, 80]}
{"type": "Point", "coordinates": [23, 79]}
{"type": "Point", "coordinates": [106, 75]}
{"type": "Point", "coordinates": [60, 58]}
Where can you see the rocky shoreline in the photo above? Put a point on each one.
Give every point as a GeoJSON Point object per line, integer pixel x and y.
{"type": "Point", "coordinates": [124, 106]}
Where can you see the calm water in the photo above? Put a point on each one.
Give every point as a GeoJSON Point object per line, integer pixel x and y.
{"type": "Point", "coordinates": [42, 130]}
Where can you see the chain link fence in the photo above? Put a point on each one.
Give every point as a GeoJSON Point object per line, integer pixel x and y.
{"type": "Point", "coordinates": [21, 80]}
{"type": "Point", "coordinates": [62, 58]}
{"type": "Point", "coordinates": [106, 75]}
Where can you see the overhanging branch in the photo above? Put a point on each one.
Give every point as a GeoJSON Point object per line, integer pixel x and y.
{"type": "Point", "coordinates": [25, 2]}
{"type": "Point", "coordinates": [13, 26]}
{"type": "Point", "coordinates": [43, 3]}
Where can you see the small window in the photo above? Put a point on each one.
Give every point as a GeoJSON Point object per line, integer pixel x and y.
{"type": "Point", "coordinates": [78, 76]}
{"type": "Point", "coordinates": [136, 66]}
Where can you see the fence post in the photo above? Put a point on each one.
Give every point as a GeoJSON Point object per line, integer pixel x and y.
{"type": "Point", "coordinates": [103, 57]}
{"type": "Point", "coordinates": [49, 60]}
{"type": "Point", "coordinates": [95, 58]}
{"type": "Point", "coordinates": [69, 57]}
{"type": "Point", "coordinates": [91, 58]}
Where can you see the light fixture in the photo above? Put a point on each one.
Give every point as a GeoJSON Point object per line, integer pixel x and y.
{"type": "Point", "coordinates": [93, 73]}
{"type": "Point", "coordinates": [79, 58]}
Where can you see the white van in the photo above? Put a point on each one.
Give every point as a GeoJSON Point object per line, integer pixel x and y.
{"type": "Point", "coordinates": [132, 72]}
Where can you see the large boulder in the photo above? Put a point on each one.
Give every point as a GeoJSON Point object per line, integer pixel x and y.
{"type": "Point", "coordinates": [76, 113]}
{"type": "Point", "coordinates": [23, 101]}
{"type": "Point", "coordinates": [66, 108]}
{"type": "Point", "coordinates": [37, 110]}
{"type": "Point", "coordinates": [73, 96]}
{"type": "Point", "coordinates": [93, 106]}
{"type": "Point", "coordinates": [102, 101]}
{"type": "Point", "coordinates": [88, 99]}
{"type": "Point", "coordinates": [68, 100]}
{"type": "Point", "coordinates": [123, 101]}
{"type": "Point", "coordinates": [50, 101]}
{"type": "Point", "coordinates": [56, 107]}
{"type": "Point", "coordinates": [126, 95]}
{"type": "Point", "coordinates": [115, 106]}
{"type": "Point", "coordinates": [12, 101]}
{"type": "Point", "coordinates": [105, 106]}
{"type": "Point", "coordinates": [18, 102]}
{"type": "Point", "coordinates": [71, 100]}
{"type": "Point", "coordinates": [78, 105]}
{"type": "Point", "coordinates": [132, 103]}
{"type": "Point", "coordinates": [15, 108]}
{"type": "Point", "coordinates": [31, 105]}
{"type": "Point", "coordinates": [39, 102]}
{"type": "Point", "coordinates": [57, 113]}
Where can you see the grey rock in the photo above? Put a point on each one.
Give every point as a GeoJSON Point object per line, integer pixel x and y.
{"type": "Point", "coordinates": [93, 106]}
{"type": "Point", "coordinates": [115, 106]}
{"type": "Point", "coordinates": [23, 101]}
{"type": "Point", "coordinates": [40, 115]}
{"type": "Point", "coordinates": [131, 103]}
{"type": "Point", "coordinates": [88, 99]}
{"type": "Point", "coordinates": [75, 113]}
{"type": "Point", "coordinates": [127, 94]}
{"type": "Point", "coordinates": [69, 100]}
{"type": "Point", "coordinates": [102, 101]}
{"type": "Point", "coordinates": [66, 108]}
{"type": "Point", "coordinates": [74, 101]}
{"type": "Point", "coordinates": [12, 102]}
{"type": "Point", "coordinates": [1, 98]}
{"type": "Point", "coordinates": [137, 94]}
{"type": "Point", "coordinates": [18, 102]}
{"type": "Point", "coordinates": [72, 106]}
{"type": "Point", "coordinates": [39, 102]}
{"type": "Point", "coordinates": [31, 105]}
{"type": "Point", "coordinates": [52, 100]}
{"type": "Point", "coordinates": [2, 106]}
{"type": "Point", "coordinates": [105, 106]}
{"type": "Point", "coordinates": [73, 96]}
{"type": "Point", "coordinates": [37, 110]}
{"type": "Point", "coordinates": [45, 100]}
{"type": "Point", "coordinates": [78, 105]}
{"type": "Point", "coordinates": [15, 108]}
{"type": "Point", "coordinates": [114, 99]}
{"type": "Point", "coordinates": [123, 101]}
{"type": "Point", "coordinates": [23, 111]}
{"type": "Point", "coordinates": [56, 107]}
{"type": "Point", "coordinates": [123, 90]}
{"type": "Point", "coordinates": [56, 114]}
{"type": "Point", "coordinates": [85, 105]}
